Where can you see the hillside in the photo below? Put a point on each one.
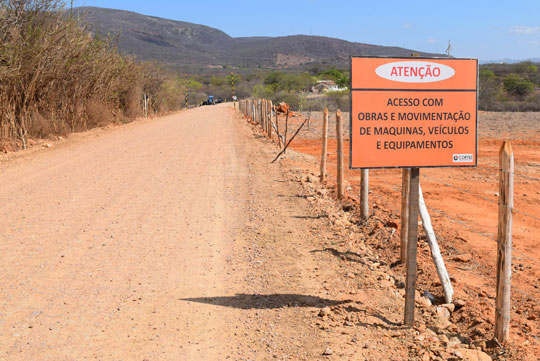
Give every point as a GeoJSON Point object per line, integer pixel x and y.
{"type": "Point", "coordinates": [192, 47]}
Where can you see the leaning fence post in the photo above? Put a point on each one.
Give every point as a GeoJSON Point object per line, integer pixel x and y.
{"type": "Point", "coordinates": [339, 134]}
{"type": "Point", "coordinates": [504, 242]}
{"type": "Point", "coordinates": [364, 193]}
{"type": "Point", "coordinates": [324, 145]}
{"type": "Point", "coordinates": [405, 179]}
{"type": "Point", "coordinates": [434, 246]}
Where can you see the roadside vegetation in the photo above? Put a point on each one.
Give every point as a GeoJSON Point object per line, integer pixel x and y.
{"type": "Point", "coordinates": [509, 87]}
{"type": "Point", "coordinates": [58, 78]}
{"type": "Point", "coordinates": [502, 87]}
{"type": "Point", "coordinates": [279, 86]}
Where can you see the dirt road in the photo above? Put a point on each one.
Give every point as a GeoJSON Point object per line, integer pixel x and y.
{"type": "Point", "coordinates": [107, 243]}
{"type": "Point", "coordinates": [102, 241]}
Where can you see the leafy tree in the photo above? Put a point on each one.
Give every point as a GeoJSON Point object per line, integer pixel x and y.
{"type": "Point", "coordinates": [263, 92]}
{"type": "Point", "coordinates": [341, 77]}
{"type": "Point", "coordinates": [486, 74]}
{"type": "Point", "coordinates": [338, 99]}
{"type": "Point", "coordinates": [279, 81]}
{"type": "Point", "coordinates": [517, 85]}
{"type": "Point", "coordinates": [218, 81]}
{"type": "Point", "coordinates": [532, 69]}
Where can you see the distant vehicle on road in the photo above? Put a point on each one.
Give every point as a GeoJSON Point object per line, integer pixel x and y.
{"type": "Point", "coordinates": [209, 101]}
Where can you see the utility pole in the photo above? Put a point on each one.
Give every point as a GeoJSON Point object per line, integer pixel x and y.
{"type": "Point", "coordinates": [232, 86]}
{"type": "Point", "coordinates": [186, 93]}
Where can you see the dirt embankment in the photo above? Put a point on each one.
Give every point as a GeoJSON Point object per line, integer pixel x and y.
{"type": "Point", "coordinates": [463, 207]}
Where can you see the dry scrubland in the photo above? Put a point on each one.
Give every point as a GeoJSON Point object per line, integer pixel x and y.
{"type": "Point", "coordinates": [58, 78]}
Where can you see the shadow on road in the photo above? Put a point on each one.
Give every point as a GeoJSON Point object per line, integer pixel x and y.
{"type": "Point", "coordinates": [253, 301]}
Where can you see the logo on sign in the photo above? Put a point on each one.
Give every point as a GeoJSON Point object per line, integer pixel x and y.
{"type": "Point", "coordinates": [415, 71]}
{"type": "Point", "coordinates": [462, 158]}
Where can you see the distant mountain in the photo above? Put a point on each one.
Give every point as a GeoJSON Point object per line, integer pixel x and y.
{"type": "Point", "coordinates": [509, 61]}
{"type": "Point", "coordinates": [193, 48]}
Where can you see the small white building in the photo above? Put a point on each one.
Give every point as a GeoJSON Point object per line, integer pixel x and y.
{"type": "Point", "coordinates": [325, 86]}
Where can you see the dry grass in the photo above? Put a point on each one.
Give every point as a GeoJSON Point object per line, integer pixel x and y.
{"type": "Point", "coordinates": [58, 78]}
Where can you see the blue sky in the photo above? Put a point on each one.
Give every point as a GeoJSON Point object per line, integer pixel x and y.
{"type": "Point", "coordinates": [488, 30]}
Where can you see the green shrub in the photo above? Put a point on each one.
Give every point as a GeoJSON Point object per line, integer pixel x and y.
{"type": "Point", "coordinates": [341, 77]}
{"type": "Point", "coordinates": [532, 69]}
{"type": "Point", "coordinates": [517, 86]}
{"type": "Point", "coordinates": [486, 74]}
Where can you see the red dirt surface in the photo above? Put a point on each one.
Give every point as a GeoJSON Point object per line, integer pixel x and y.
{"type": "Point", "coordinates": [463, 206]}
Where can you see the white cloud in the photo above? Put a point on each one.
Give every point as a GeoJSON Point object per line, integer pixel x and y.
{"type": "Point", "coordinates": [407, 26]}
{"type": "Point", "coordinates": [432, 40]}
{"type": "Point", "coordinates": [525, 30]}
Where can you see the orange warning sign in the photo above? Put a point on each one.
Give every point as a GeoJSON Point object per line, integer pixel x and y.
{"type": "Point", "coordinates": [413, 112]}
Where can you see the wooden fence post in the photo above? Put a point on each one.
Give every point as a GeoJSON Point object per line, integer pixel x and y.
{"type": "Point", "coordinates": [504, 242]}
{"type": "Point", "coordinates": [258, 110]}
{"type": "Point", "coordinates": [269, 112]}
{"type": "Point", "coordinates": [410, 277]}
{"type": "Point", "coordinates": [339, 134]}
{"type": "Point", "coordinates": [145, 107]}
{"type": "Point", "coordinates": [324, 145]}
{"type": "Point", "coordinates": [266, 118]}
{"type": "Point", "coordinates": [263, 115]}
{"type": "Point", "coordinates": [256, 113]}
{"type": "Point", "coordinates": [277, 130]}
{"type": "Point", "coordinates": [286, 128]}
{"type": "Point", "coordinates": [405, 179]}
{"type": "Point", "coordinates": [364, 193]}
